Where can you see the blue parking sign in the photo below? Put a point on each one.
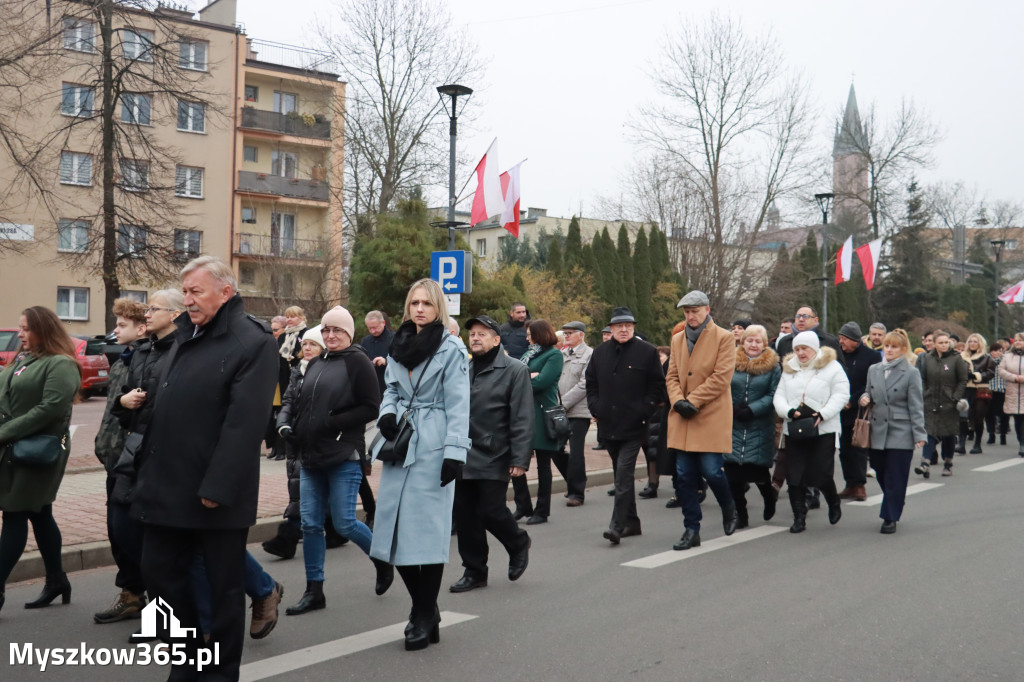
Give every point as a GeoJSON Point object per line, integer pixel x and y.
{"type": "Point", "coordinates": [453, 270]}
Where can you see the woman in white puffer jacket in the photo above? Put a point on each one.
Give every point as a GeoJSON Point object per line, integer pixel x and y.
{"type": "Point", "coordinates": [813, 385]}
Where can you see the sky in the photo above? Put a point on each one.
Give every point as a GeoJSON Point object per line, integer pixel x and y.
{"type": "Point", "coordinates": [564, 79]}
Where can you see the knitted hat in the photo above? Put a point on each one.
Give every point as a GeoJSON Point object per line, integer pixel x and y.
{"type": "Point", "coordinates": [851, 330]}
{"type": "Point", "coordinates": [313, 334]}
{"type": "Point", "coordinates": [809, 339]}
{"type": "Point", "coordinates": [339, 317]}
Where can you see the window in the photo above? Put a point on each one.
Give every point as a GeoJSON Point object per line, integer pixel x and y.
{"type": "Point", "coordinates": [76, 100]}
{"type": "Point", "coordinates": [187, 243]}
{"type": "Point", "coordinates": [481, 248]}
{"type": "Point", "coordinates": [137, 296]}
{"type": "Point", "coordinates": [75, 168]}
{"type": "Point", "coordinates": [78, 35]}
{"type": "Point", "coordinates": [72, 235]}
{"type": "Point", "coordinates": [137, 44]}
{"type": "Point", "coordinates": [246, 273]}
{"type": "Point", "coordinates": [72, 303]}
{"type": "Point", "coordinates": [192, 55]}
{"type": "Point", "coordinates": [283, 164]}
{"type": "Point", "coordinates": [1011, 245]}
{"type": "Point", "coordinates": [188, 182]}
{"type": "Point", "coordinates": [191, 116]}
{"type": "Point", "coordinates": [282, 233]}
{"type": "Point", "coordinates": [249, 215]}
{"type": "Point", "coordinates": [252, 93]}
{"type": "Point", "coordinates": [134, 175]}
{"type": "Point", "coordinates": [285, 102]}
{"type": "Point", "coordinates": [250, 153]}
{"type": "Point", "coordinates": [131, 240]}
{"type": "Point", "coordinates": [136, 108]}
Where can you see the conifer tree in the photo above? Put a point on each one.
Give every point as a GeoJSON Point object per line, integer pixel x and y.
{"type": "Point", "coordinates": [555, 264]}
{"type": "Point", "coordinates": [643, 275]}
{"type": "Point", "coordinates": [909, 289]}
{"type": "Point", "coordinates": [573, 254]}
{"type": "Point", "coordinates": [628, 291]}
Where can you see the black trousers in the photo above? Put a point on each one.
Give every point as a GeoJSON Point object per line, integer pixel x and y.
{"type": "Point", "coordinates": [167, 554]}
{"type": "Point", "coordinates": [480, 508]}
{"type": "Point", "coordinates": [624, 454]}
{"type": "Point", "coordinates": [125, 535]}
{"type": "Point", "coordinates": [14, 538]}
{"type": "Point", "coordinates": [854, 461]}
{"type": "Point", "coordinates": [995, 413]}
{"type": "Point", "coordinates": [811, 463]}
{"type": "Point", "coordinates": [576, 467]}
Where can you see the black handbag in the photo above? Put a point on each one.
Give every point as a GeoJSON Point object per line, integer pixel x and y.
{"type": "Point", "coordinates": [802, 428]}
{"type": "Point", "coordinates": [394, 450]}
{"type": "Point", "coordinates": [556, 421]}
{"type": "Point", "coordinates": [37, 451]}
{"type": "Point", "coordinates": [125, 464]}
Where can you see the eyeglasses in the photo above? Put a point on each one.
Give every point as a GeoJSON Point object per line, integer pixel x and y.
{"type": "Point", "coordinates": [804, 316]}
{"type": "Point", "coordinates": [153, 309]}
{"type": "Point", "coordinates": [329, 331]}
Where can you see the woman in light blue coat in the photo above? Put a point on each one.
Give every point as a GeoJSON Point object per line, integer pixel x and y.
{"type": "Point", "coordinates": [412, 528]}
{"type": "Point", "coordinates": [897, 423]}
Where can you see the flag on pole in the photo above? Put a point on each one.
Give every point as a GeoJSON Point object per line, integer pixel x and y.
{"type": "Point", "coordinates": [844, 261]}
{"type": "Point", "coordinates": [1014, 294]}
{"type": "Point", "coordinates": [868, 255]}
{"type": "Point", "coordinates": [488, 199]}
{"type": "Point", "coordinates": [510, 188]}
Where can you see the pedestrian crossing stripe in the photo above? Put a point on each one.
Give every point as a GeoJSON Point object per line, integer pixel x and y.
{"type": "Point", "coordinates": [999, 466]}
{"type": "Point", "coordinates": [665, 558]}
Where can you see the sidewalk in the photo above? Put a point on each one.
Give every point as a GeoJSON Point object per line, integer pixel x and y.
{"type": "Point", "coordinates": [80, 509]}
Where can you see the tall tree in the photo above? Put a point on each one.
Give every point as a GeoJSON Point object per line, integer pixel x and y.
{"type": "Point", "coordinates": [555, 264]}
{"type": "Point", "coordinates": [628, 292]}
{"type": "Point", "coordinates": [909, 288]}
{"type": "Point", "coordinates": [573, 245]}
{"type": "Point", "coordinates": [643, 275]}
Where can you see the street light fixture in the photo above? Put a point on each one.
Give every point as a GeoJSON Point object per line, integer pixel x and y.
{"type": "Point", "coordinates": [824, 200]}
{"type": "Point", "coordinates": [997, 249]}
{"type": "Point", "coordinates": [453, 91]}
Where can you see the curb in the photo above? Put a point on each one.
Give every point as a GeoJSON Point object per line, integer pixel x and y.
{"type": "Point", "coordinates": [97, 554]}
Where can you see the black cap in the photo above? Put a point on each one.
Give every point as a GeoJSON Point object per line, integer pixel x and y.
{"type": "Point", "coordinates": [622, 314]}
{"type": "Point", "coordinates": [486, 321]}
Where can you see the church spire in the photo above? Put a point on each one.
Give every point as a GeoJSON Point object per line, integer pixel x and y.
{"type": "Point", "coordinates": [850, 138]}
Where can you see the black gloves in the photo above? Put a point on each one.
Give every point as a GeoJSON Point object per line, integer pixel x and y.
{"type": "Point", "coordinates": [388, 425]}
{"type": "Point", "coordinates": [804, 412]}
{"type": "Point", "coordinates": [792, 414]}
{"type": "Point", "coordinates": [685, 408]}
{"type": "Point", "coordinates": [286, 432]}
{"type": "Point", "coordinates": [451, 470]}
{"type": "Point", "coordinates": [742, 412]}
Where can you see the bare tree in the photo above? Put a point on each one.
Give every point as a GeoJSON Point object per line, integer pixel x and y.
{"type": "Point", "coordinates": [955, 207]}
{"type": "Point", "coordinates": [728, 139]}
{"type": "Point", "coordinates": [394, 54]}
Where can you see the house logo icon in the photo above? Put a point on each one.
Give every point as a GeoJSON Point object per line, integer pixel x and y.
{"type": "Point", "coordinates": [157, 615]}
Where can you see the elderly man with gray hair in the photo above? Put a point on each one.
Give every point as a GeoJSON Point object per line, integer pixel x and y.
{"type": "Point", "coordinates": [377, 343]}
{"type": "Point", "coordinates": [199, 462]}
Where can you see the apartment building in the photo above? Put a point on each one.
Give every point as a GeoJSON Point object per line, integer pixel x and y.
{"type": "Point", "coordinates": [235, 160]}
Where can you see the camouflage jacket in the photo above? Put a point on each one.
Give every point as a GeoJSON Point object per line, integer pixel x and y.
{"type": "Point", "coordinates": [110, 437]}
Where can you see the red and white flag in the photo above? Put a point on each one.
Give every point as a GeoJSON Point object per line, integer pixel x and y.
{"type": "Point", "coordinates": [868, 255]}
{"type": "Point", "coordinates": [489, 199]}
{"type": "Point", "coordinates": [1014, 294]}
{"type": "Point", "coordinates": [844, 261]}
{"type": "Point", "coordinates": [510, 188]}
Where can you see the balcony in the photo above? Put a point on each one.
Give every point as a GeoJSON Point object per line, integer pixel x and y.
{"type": "Point", "coordinates": [291, 56]}
{"type": "Point", "coordinates": [286, 124]}
{"type": "Point", "coordinates": [267, 246]}
{"type": "Point", "coordinates": [294, 188]}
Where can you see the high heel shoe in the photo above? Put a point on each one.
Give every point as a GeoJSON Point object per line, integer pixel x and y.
{"type": "Point", "coordinates": [424, 631]}
{"type": "Point", "coordinates": [54, 586]}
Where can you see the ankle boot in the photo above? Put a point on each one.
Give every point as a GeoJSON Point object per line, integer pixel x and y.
{"type": "Point", "coordinates": [976, 450]}
{"type": "Point", "coordinates": [56, 585]}
{"type": "Point", "coordinates": [798, 501]}
{"type": "Point", "coordinates": [385, 576]}
{"type": "Point", "coordinates": [312, 599]}
{"type": "Point", "coordinates": [991, 439]}
{"type": "Point", "coordinates": [1002, 439]}
{"type": "Point", "coordinates": [285, 542]}
{"type": "Point", "coordinates": [425, 630]}
{"type": "Point", "coordinates": [650, 492]}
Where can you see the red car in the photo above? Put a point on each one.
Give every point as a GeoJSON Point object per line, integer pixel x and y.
{"type": "Point", "coordinates": [10, 345]}
{"type": "Point", "coordinates": [95, 366]}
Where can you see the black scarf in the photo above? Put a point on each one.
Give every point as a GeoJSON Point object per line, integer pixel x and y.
{"type": "Point", "coordinates": [410, 348]}
{"type": "Point", "coordinates": [482, 362]}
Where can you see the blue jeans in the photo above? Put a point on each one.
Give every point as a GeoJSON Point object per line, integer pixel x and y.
{"type": "Point", "coordinates": [336, 487]}
{"type": "Point", "coordinates": [690, 466]}
{"type": "Point", "coordinates": [258, 585]}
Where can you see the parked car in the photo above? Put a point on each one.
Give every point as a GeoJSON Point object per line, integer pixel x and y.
{"type": "Point", "coordinates": [10, 345]}
{"type": "Point", "coordinates": [95, 367]}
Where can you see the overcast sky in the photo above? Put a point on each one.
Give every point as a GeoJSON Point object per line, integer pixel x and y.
{"type": "Point", "coordinates": [564, 77]}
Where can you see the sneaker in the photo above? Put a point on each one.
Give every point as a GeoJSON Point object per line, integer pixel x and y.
{"type": "Point", "coordinates": [947, 471]}
{"type": "Point", "coordinates": [922, 469]}
{"type": "Point", "coordinates": [126, 605]}
{"type": "Point", "coordinates": [264, 612]}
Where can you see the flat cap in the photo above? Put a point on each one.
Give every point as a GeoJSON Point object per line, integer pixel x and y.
{"type": "Point", "coordinates": [693, 299]}
{"type": "Point", "coordinates": [575, 326]}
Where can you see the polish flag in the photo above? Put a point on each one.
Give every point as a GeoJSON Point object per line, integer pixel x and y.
{"type": "Point", "coordinates": [510, 188]}
{"type": "Point", "coordinates": [868, 255]}
{"type": "Point", "coordinates": [1014, 294]}
{"type": "Point", "coordinates": [488, 199]}
{"type": "Point", "coordinates": [844, 261]}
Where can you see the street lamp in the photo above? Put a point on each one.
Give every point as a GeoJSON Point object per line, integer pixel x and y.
{"type": "Point", "coordinates": [824, 203]}
{"type": "Point", "coordinates": [452, 91]}
{"type": "Point", "coordinates": [997, 249]}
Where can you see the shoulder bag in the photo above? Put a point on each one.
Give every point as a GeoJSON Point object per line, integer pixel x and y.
{"type": "Point", "coordinates": [125, 464]}
{"type": "Point", "coordinates": [395, 450]}
{"type": "Point", "coordinates": [38, 451]}
{"type": "Point", "coordinates": [862, 429]}
{"type": "Point", "coordinates": [803, 428]}
{"type": "Point", "coordinates": [556, 421]}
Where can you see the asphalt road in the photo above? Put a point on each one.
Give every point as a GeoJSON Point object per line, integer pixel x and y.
{"type": "Point", "coordinates": [939, 600]}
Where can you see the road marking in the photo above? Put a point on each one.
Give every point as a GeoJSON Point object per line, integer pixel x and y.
{"type": "Point", "coordinates": [664, 558]}
{"type": "Point", "coordinates": [74, 427]}
{"type": "Point", "coordinates": [912, 490]}
{"type": "Point", "coordinates": [1005, 464]}
{"type": "Point", "coordinates": [320, 653]}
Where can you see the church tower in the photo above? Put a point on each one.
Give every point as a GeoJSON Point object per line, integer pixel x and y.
{"type": "Point", "coordinates": [849, 169]}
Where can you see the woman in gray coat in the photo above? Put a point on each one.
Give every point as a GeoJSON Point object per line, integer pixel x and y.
{"type": "Point", "coordinates": [412, 528]}
{"type": "Point", "coordinates": [897, 423]}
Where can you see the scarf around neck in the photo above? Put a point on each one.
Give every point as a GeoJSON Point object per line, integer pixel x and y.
{"type": "Point", "coordinates": [410, 348]}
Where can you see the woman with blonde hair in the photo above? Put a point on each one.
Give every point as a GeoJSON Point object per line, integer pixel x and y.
{"type": "Point", "coordinates": [981, 369]}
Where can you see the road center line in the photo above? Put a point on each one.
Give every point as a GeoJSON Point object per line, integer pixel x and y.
{"type": "Point", "coordinates": [1005, 464]}
{"type": "Point", "coordinates": [320, 653]}
{"type": "Point", "coordinates": [664, 558]}
{"type": "Point", "coordinates": [912, 490]}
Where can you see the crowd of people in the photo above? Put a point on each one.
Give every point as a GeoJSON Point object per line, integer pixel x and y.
{"type": "Point", "coordinates": [719, 409]}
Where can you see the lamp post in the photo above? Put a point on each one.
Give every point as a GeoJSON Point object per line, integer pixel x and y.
{"type": "Point", "coordinates": [997, 249]}
{"type": "Point", "coordinates": [824, 200]}
{"type": "Point", "coordinates": [453, 91]}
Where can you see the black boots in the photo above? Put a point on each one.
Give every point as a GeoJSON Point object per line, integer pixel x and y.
{"type": "Point", "coordinates": [650, 492]}
{"type": "Point", "coordinates": [284, 543]}
{"type": "Point", "coordinates": [976, 450]}
{"type": "Point", "coordinates": [798, 501]}
{"type": "Point", "coordinates": [425, 630]}
{"type": "Point", "coordinates": [312, 599]}
{"type": "Point", "coordinates": [730, 518]}
{"type": "Point", "coordinates": [385, 576]}
{"type": "Point", "coordinates": [56, 585]}
{"type": "Point", "coordinates": [771, 497]}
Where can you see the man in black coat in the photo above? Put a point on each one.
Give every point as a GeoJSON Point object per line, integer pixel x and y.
{"type": "Point", "coordinates": [857, 358]}
{"type": "Point", "coordinates": [501, 427]}
{"type": "Point", "coordinates": [807, 320]}
{"type": "Point", "coordinates": [513, 332]}
{"type": "Point", "coordinates": [199, 465]}
{"type": "Point", "coordinates": [625, 385]}
{"type": "Point", "coordinates": [377, 343]}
